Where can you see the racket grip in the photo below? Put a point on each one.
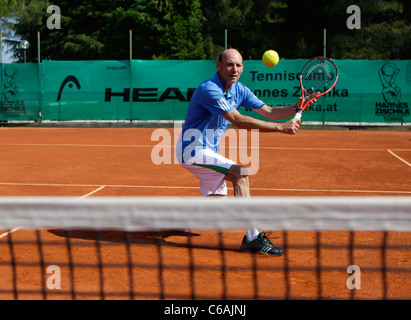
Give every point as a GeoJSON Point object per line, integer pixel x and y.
{"type": "Point", "coordinates": [298, 115]}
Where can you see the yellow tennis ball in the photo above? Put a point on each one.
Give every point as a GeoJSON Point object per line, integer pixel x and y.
{"type": "Point", "coordinates": [270, 58]}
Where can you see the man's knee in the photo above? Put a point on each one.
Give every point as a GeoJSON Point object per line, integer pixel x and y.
{"type": "Point", "coordinates": [237, 173]}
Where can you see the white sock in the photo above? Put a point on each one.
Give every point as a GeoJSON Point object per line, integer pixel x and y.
{"type": "Point", "coordinates": [251, 234]}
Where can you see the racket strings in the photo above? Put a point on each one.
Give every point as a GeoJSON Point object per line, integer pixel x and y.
{"type": "Point", "coordinates": [318, 76]}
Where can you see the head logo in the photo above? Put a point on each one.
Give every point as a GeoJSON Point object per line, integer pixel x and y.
{"type": "Point", "coordinates": [65, 81]}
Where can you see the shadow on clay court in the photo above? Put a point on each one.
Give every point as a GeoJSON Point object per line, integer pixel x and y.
{"type": "Point", "coordinates": [140, 237]}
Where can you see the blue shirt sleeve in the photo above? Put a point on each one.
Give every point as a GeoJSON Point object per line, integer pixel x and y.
{"type": "Point", "coordinates": [213, 99]}
{"type": "Point", "coordinates": [250, 101]}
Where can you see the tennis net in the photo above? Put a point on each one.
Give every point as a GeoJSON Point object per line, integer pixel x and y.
{"type": "Point", "coordinates": [188, 248]}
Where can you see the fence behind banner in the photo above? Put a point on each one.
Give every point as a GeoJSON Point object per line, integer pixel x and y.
{"type": "Point", "coordinates": [369, 92]}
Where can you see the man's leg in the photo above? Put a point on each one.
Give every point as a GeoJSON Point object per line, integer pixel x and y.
{"type": "Point", "coordinates": [212, 170]}
{"type": "Point", "coordinates": [238, 175]}
{"type": "Point", "coordinates": [254, 241]}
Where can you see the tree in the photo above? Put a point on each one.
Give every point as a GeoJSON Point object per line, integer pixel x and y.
{"type": "Point", "coordinates": [194, 29]}
{"type": "Point", "coordinates": [27, 17]}
{"type": "Point", "coordinates": [249, 24]}
{"type": "Point", "coordinates": [7, 13]}
{"type": "Point", "coordinates": [99, 29]}
{"type": "Point", "coordinates": [180, 31]}
{"type": "Point", "coordinates": [384, 33]}
{"type": "Point", "coordinates": [7, 7]}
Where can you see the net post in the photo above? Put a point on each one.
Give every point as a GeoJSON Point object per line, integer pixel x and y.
{"type": "Point", "coordinates": [38, 47]}
{"type": "Point", "coordinates": [286, 267]}
{"type": "Point", "coordinates": [191, 267]}
{"type": "Point", "coordinates": [223, 264]}
{"type": "Point", "coordinates": [42, 265]}
{"type": "Point", "coordinates": [131, 44]}
{"type": "Point", "coordinates": [225, 39]}
{"type": "Point", "coordinates": [1, 49]}
{"type": "Point", "coordinates": [255, 276]}
{"type": "Point", "coordinates": [100, 265]}
{"type": "Point", "coordinates": [318, 267]}
{"type": "Point", "coordinates": [384, 264]}
{"type": "Point", "coordinates": [13, 265]}
{"type": "Point", "coordinates": [129, 264]}
{"type": "Point", "coordinates": [351, 254]}
{"type": "Point", "coordinates": [160, 265]}
{"type": "Point", "coordinates": [67, 234]}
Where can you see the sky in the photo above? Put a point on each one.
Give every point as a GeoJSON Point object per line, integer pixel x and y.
{"type": "Point", "coordinates": [7, 57]}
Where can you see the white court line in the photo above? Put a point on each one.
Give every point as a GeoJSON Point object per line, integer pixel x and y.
{"type": "Point", "coordinates": [399, 158]}
{"type": "Point", "coordinates": [90, 185]}
{"type": "Point", "coordinates": [99, 187]}
{"type": "Point", "coordinates": [92, 192]}
{"type": "Point", "coordinates": [171, 146]}
{"type": "Point", "coordinates": [82, 197]}
{"type": "Point", "coordinates": [333, 190]}
{"type": "Point", "coordinates": [78, 145]}
{"type": "Point", "coordinates": [8, 232]}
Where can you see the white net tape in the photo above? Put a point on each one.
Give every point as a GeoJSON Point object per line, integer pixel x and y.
{"type": "Point", "coordinates": [154, 213]}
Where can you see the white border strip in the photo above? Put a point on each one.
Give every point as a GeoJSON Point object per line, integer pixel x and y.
{"type": "Point", "coordinates": [153, 213]}
{"type": "Point", "coordinates": [170, 122]}
{"type": "Point", "coordinates": [21, 227]}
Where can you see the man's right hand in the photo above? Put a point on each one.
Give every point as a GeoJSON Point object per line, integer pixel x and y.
{"type": "Point", "coordinates": [291, 126]}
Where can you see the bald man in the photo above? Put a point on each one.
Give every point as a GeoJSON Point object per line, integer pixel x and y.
{"type": "Point", "coordinates": [212, 107]}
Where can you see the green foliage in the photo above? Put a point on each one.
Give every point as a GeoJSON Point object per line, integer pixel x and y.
{"type": "Point", "coordinates": [7, 7]}
{"type": "Point", "coordinates": [194, 29]}
{"type": "Point", "coordinates": [8, 11]}
{"type": "Point", "coordinates": [180, 31]}
{"type": "Point", "coordinates": [384, 34]}
{"type": "Point", "coordinates": [29, 16]}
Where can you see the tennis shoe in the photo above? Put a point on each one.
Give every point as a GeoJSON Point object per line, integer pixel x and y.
{"type": "Point", "coordinates": [261, 245]}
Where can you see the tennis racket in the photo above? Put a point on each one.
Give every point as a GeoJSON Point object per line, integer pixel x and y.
{"type": "Point", "coordinates": [318, 77]}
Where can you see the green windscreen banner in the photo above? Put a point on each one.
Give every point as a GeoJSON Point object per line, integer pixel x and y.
{"type": "Point", "coordinates": [20, 92]}
{"type": "Point", "coordinates": [375, 92]}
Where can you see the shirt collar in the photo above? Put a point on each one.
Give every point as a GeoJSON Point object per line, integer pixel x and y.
{"type": "Point", "coordinates": [217, 80]}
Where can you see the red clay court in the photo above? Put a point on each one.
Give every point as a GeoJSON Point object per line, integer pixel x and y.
{"type": "Point", "coordinates": [111, 162]}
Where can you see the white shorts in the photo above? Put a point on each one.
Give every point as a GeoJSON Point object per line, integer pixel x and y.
{"type": "Point", "coordinates": [211, 169]}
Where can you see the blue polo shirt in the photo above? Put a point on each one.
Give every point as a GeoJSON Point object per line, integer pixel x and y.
{"type": "Point", "coordinates": [204, 126]}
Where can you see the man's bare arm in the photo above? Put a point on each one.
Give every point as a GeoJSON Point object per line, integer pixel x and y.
{"type": "Point", "coordinates": [246, 122]}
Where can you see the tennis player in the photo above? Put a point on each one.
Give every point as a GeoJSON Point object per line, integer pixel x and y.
{"type": "Point", "coordinates": [212, 107]}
